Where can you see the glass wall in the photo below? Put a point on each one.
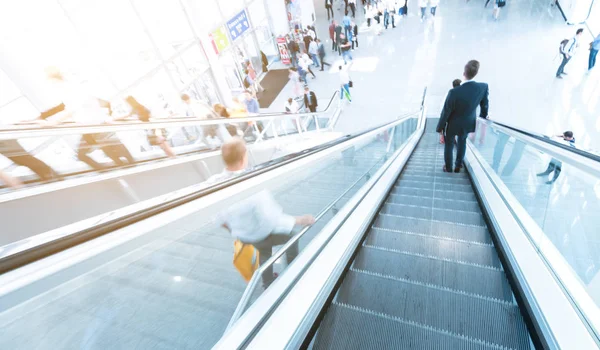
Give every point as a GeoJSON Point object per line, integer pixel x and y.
{"type": "Point", "coordinates": [115, 48]}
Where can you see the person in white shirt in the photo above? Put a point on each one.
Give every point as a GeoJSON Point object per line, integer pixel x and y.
{"type": "Point", "coordinates": [291, 106]}
{"type": "Point", "coordinates": [567, 51]}
{"type": "Point", "coordinates": [344, 84]}
{"type": "Point", "coordinates": [423, 6]}
{"type": "Point", "coordinates": [258, 220]}
{"type": "Point", "coordinates": [304, 62]}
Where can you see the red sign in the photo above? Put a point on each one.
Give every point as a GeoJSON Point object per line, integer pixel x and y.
{"type": "Point", "coordinates": [284, 53]}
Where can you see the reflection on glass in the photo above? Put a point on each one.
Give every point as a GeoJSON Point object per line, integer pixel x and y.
{"type": "Point", "coordinates": [563, 203]}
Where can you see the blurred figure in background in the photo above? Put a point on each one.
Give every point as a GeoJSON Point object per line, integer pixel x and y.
{"type": "Point", "coordinates": [155, 136]}
{"type": "Point", "coordinates": [12, 150]}
{"type": "Point", "coordinates": [258, 220]}
{"type": "Point", "coordinates": [251, 103]}
{"type": "Point", "coordinates": [9, 180]}
{"type": "Point", "coordinates": [84, 108]}
{"type": "Point", "coordinates": [291, 106]}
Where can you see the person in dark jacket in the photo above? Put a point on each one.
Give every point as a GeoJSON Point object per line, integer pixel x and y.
{"type": "Point", "coordinates": [310, 100]}
{"type": "Point", "coordinates": [329, 8]}
{"type": "Point", "coordinates": [338, 32]}
{"type": "Point", "coordinates": [321, 51]}
{"type": "Point", "coordinates": [294, 49]}
{"type": "Point", "coordinates": [458, 115]}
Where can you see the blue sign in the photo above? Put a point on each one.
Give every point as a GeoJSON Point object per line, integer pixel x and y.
{"type": "Point", "coordinates": [238, 25]}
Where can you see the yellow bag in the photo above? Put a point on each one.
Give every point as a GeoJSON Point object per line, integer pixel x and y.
{"type": "Point", "coordinates": [245, 259]}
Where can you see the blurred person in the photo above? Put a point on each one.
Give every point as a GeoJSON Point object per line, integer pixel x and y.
{"type": "Point", "coordinates": [458, 117]}
{"type": "Point", "coordinates": [310, 99]}
{"type": "Point", "coordinates": [433, 4]}
{"type": "Point", "coordinates": [155, 136]}
{"type": "Point", "coordinates": [307, 39]}
{"type": "Point", "coordinates": [329, 8]}
{"type": "Point", "coordinates": [213, 134]}
{"type": "Point", "coordinates": [265, 62]}
{"type": "Point", "coordinates": [352, 4]}
{"type": "Point", "coordinates": [251, 72]}
{"type": "Point", "coordinates": [369, 14]}
{"type": "Point", "coordinates": [346, 22]}
{"type": "Point", "coordinates": [338, 33]}
{"type": "Point", "coordinates": [345, 46]}
{"type": "Point", "coordinates": [257, 220]}
{"type": "Point", "coordinates": [223, 112]}
{"type": "Point", "coordinates": [238, 109]}
{"type": "Point", "coordinates": [251, 103]}
{"type": "Point", "coordinates": [354, 35]}
{"type": "Point", "coordinates": [82, 107]}
{"type": "Point", "coordinates": [196, 108]}
{"type": "Point", "coordinates": [294, 77]}
{"type": "Point", "coordinates": [291, 106]}
{"type": "Point", "coordinates": [304, 63]}
{"type": "Point", "coordinates": [594, 47]}
{"type": "Point", "coordinates": [555, 165]}
{"type": "Point", "coordinates": [13, 150]}
{"type": "Point", "coordinates": [423, 7]}
{"type": "Point", "coordinates": [321, 53]}
{"type": "Point", "coordinates": [9, 180]}
{"type": "Point", "coordinates": [567, 51]}
{"type": "Point", "coordinates": [390, 14]}
{"type": "Point", "coordinates": [344, 84]}
{"type": "Point", "coordinates": [332, 36]}
{"type": "Point", "coordinates": [294, 50]}
{"type": "Point", "coordinates": [404, 8]}
{"type": "Point", "coordinates": [313, 50]}
{"type": "Point", "coordinates": [497, 6]}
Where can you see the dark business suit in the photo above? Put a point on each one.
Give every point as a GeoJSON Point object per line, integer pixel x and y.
{"type": "Point", "coordinates": [312, 104]}
{"type": "Point", "coordinates": [458, 118]}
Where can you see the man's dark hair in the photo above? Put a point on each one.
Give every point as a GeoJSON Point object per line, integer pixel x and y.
{"type": "Point", "coordinates": [579, 31]}
{"type": "Point", "coordinates": [471, 69]}
{"type": "Point", "coordinates": [456, 82]}
{"type": "Point", "coordinates": [568, 134]}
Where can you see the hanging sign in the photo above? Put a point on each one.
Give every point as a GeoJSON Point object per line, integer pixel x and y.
{"type": "Point", "coordinates": [219, 39]}
{"type": "Point", "coordinates": [238, 25]}
{"type": "Point", "coordinates": [284, 53]}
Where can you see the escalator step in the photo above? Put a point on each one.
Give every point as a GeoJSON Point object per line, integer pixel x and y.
{"type": "Point", "coordinates": [347, 327]}
{"type": "Point", "coordinates": [438, 193]}
{"type": "Point", "coordinates": [442, 179]}
{"type": "Point", "coordinates": [434, 228]}
{"type": "Point", "coordinates": [436, 214]}
{"type": "Point", "coordinates": [469, 278]}
{"type": "Point", "coordinates": [456, 313]}
{"type": "Point", "coordinates": [439, 203]}
{"type": "Point", "coordinates": [480, 254]}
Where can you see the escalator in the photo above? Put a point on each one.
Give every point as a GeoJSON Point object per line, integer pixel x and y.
{"type": "Point", "coordinates": [173, 285]}
{"type": "Point", "coordinates": [427, 274]}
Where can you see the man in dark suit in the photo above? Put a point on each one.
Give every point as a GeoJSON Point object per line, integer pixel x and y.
{"type": "Point", "coordinates": [458, 116]}
{"type": "Point", "coordinates": [310, 100]}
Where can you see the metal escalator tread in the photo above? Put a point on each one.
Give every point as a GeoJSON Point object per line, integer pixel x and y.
{"type": "Point", "coordinates": [427, 275]}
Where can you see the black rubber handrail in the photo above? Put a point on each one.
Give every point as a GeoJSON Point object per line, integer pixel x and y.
{"type": "Point", "coordinates": [28, 256]}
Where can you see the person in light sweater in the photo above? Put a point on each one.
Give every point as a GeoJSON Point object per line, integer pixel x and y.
{"type": "Point", "coordinates": [258, 220]}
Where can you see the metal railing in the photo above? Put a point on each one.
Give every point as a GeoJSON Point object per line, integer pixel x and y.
{"type": "Point", "coordinates": [18, 132]}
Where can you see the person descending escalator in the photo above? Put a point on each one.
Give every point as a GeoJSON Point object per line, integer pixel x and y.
{"type": "Point", "coordinates": [257, 220]}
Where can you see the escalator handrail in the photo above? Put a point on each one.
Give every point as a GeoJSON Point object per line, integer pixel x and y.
{"type": "Point", "coordinates": [12, 133]}
{"type": "Point", "coordinates": [546, 139]}
{"type": "Point", "coordinates": [251, 322]}
{"type": "Point", "coordinates": [257, 275]}
{"type": "Point", "coordinates": [18, 258]}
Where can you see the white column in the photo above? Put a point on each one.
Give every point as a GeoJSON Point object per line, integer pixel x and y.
{"type": "Point", "coordinates": [279, 17]}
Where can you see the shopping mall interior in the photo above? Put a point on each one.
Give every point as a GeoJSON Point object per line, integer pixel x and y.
{"type": "Point", "coordinates": [282, 174]}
